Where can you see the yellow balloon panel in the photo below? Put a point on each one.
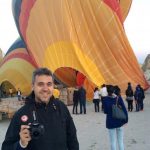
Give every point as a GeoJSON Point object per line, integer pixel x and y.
{"type": "Point", "coordinates": [70, 59]}
{"type": "Point", "coordinates": [19, 73]}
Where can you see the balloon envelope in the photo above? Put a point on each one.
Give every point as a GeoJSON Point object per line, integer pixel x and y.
{"type": "Point", "coordinates": [85, 35]}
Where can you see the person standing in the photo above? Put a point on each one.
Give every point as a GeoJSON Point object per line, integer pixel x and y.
{"type": "Point", "coordinates": [142, 98]}
{"type": "Point", "coordinates": [19, 94]}
{"type": "Point", "coordinates": [82, 99]}
{"type": "Point", "coordinates": [103, 93]}
{"type": "Point", "coordinates": [139, 97]}
{"type": "Point", "coordinates": [96, 99]}
{"type": "Point", "coordinates": [56, 129]}
{"type": "Point", "coordinates": [129, 97]}
{"type": "Point", "coordinates": [114, 126]}
{"type": "Point", "coordinates": [75, 101]}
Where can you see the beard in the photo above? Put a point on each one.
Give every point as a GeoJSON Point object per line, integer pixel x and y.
{"type": "Point", "coordinates": [43, 97]}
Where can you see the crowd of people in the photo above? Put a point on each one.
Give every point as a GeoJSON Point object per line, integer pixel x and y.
{"type": "Point", "coordinates": [11, 93]}
{"type": "Point", "coordinates": [137, 95]}
{"type": "Point", "coordinates": [79, 96]}
{"type": "Point", "coordinates": [132, 97]}
{"type": "Point", "coordinates": [109, 95]}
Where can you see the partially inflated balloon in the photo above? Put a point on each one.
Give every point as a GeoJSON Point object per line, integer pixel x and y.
{"type": "Point", "coordinates": [17, 67]}
{"type": "Point", "coordinates": [85, 35]}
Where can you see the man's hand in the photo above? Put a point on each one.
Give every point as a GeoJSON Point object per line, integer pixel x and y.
{"type": "Point", "coordinates": [24, 135]}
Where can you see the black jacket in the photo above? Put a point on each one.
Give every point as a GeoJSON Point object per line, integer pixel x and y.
{"type": "Point", "coordinates": [76, 96]}
{"type": "Point", "coordinates": [60, 131]}
{"type": "Point", "coordinates": [129, 92]}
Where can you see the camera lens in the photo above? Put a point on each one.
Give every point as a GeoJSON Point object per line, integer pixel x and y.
{"type": "Point", "coordinates": [36, 130]}
{"type": "Point", "coordinates": [36, 133]}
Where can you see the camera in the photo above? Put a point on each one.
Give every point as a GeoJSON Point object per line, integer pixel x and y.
{"type": "Point", "coordinates": [36, 129]}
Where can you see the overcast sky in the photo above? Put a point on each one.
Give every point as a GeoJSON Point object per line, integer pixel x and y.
{"type": "Point", "coordinates": [8, 31]}
{"type": "Point", "coordinates": [137, 27]}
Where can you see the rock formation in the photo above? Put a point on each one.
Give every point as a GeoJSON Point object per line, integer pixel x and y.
{"type": "Point", "coordinates": [146, 67]}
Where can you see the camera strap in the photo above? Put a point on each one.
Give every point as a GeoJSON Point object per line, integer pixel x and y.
{"type": "Point", "coordinates": [34, 116]}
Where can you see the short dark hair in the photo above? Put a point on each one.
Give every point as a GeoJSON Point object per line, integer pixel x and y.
{"type": "Point", "coordinates": [117, 90]}
{"type": "Point", "coordinates": [110, 89]}
{"type": "Point", "coordinates": [129, 83]}
{"type": "Point", "coordinates": [95, 89]}
{"type": "Point", "coordinates": [41, 71]}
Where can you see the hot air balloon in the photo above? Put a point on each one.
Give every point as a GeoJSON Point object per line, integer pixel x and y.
{"type": "Point", "coordinates": [80, 41]}
{"type": "Point", "coordinates": [16, 69]}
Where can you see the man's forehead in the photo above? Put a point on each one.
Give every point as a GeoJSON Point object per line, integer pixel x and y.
{"type": "Point", "coordinates": [43, 78]}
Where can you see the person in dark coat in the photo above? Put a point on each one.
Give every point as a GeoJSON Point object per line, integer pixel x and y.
{"type": "Point", "coordinates": [139, 97]}
{"type": "Point", "coordinates": [43, 122]}
{"type": "Point", "coordinates": [82, 99]}
{"type": "Point", "coordinates": [142, 99]}
{"type": "Point", "coordinates": [113, 125]}
{"type": "Point", "coordinates": [75, 101]}
{"type": "Point", "coordinates": [129, 97]}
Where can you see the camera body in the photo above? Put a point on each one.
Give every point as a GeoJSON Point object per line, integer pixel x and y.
{"type": "Point", "coordinates": [36, 130]}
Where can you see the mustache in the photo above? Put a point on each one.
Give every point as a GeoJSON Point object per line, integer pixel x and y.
{"type": "Point", "coordinates": [44, 91]}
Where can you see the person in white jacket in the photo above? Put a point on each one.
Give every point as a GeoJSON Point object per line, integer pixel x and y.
{"type": "Point", "coordinates": [103, 93]}
{"type": "Point", "coordinates": [96, 99]}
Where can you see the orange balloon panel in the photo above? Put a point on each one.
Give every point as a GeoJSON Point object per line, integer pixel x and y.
{"type": "Point", "coordinates": [89, 87]}
{"type": "Point", "coordinates": [67, 76]}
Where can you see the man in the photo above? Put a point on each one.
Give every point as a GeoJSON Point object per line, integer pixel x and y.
{"type": "Point", "coordinates": [57, 130]}
{"type": "Point", "coordinates": [82, 99]}
{"type": "Point", "coordinates": [75, 101]}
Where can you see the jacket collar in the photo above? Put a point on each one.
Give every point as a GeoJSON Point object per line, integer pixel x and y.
{"type": "Point", "coordinates": [31, 100]}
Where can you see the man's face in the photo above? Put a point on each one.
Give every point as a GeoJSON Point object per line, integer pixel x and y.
{"type": "Point", "coordinates": [43, 88]}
